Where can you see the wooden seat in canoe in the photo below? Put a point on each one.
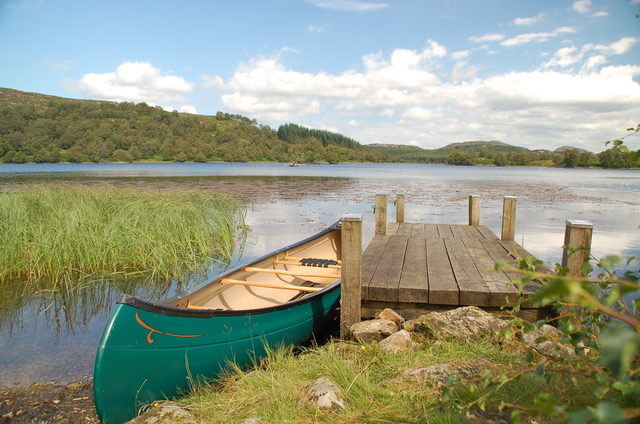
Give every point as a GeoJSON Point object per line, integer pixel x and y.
{"type": "Point", "coordinates": [292, 273]}
{"type": "Point", "coordinates": [270, 285]}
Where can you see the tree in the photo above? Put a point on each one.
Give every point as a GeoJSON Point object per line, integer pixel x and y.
{"type": "Point", "coordinates": [459, 158]}
{"type": "Point", "coordinates": [619, 145]}
{"type": "Point", "coordinates": [615, 158]}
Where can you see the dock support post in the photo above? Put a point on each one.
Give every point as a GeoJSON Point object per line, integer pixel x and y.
{"type": "Point", "coordinates": [474, 210]}
{"type": "Point", "coordinates": [351, 297]}
{"type": "Point", "coordinates": [509, 218]}
{"type": "Point", "coordinates": [577, 246]}
{"type": "Point", "coordinates": [400, 208]}
{"type": "Point", "coordinates": [381, 214]}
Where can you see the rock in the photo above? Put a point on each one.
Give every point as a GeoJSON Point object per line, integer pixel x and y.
{"type": "Point", "coordinates": [373, 330]}
{"type": "Point", "coordinates": [325, 395]}
{"type": "Point", "coordinates": [391, 315]}
{"type": "Point", "coordinates": [438, 374]}
{"type": "Point", "coordinates": [165, 414]}
{"type": "Point", "coordinates": [254, 421]}
{"type": "Point", "coordinates": [477, 416]}
{"type": "Point", "coordinates": [398, 342]}
{"type": "Point", "coordinates": [469, 322]}
{"type": "Point", "coordinates": [549, 347]}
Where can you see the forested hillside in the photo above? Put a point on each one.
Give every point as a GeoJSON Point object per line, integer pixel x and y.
{"type": "Point", "coordinates": [47, 129]}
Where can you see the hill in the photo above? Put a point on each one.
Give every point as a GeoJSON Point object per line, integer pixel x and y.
{"type": "Point", "coordinates": [474, 148]}
{"type": "Point", "coordinates": [45, 129]}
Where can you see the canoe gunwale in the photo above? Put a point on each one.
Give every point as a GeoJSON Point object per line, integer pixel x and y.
{"type": "Point", "coordinates": [176, 311]}
{"type": "Point", "coordinates": [165, 308]}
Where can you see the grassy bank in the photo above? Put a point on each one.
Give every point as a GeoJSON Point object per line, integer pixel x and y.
{"type": "Point", "coordinates": [276, 390]}
{"type": "Point", "coordinates": [61, 233]}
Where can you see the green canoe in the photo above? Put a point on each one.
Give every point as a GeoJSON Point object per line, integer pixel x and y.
{"type": "Point", "coordinates": [155, 351]}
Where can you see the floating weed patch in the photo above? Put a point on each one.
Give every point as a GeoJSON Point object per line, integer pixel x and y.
{"type": "Point", "coordinates": [61, 233]}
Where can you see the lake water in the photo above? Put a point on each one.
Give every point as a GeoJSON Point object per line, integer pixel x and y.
{"type": "Point", "coordinates": [287, 204]}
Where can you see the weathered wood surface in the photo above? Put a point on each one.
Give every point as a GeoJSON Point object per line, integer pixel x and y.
{"type": "Point", "coordinates": [439, 264]}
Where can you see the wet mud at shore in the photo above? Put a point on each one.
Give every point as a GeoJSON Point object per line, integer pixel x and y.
{"type": "Point", "coordinates": [48, 402]}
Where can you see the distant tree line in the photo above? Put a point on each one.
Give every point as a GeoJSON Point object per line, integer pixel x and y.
{"type": "Point", "coordinates": [572, 158]}
{"type": "Point", "coordinates": [61, 130]}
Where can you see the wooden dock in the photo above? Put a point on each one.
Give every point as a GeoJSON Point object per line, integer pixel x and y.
{"type": "Point", "coordinates": [419, 267]}
{"type": "Point", "coordinates": [416, 268]}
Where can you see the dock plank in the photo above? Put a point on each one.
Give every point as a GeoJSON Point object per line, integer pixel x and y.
{"type": "Point", "coordinates": [384, 284]}
{"type": "Point", "coordinates": [444, 230]}
{"type": "Point", "coordinates": [431, 230]}
{"type": "Point", "coordinates": [417, 230]}
{"type": "Point", "coordinates": [443, 288]}
{"type": "Point", "coordinates": [496, 281]}
{"type": "Point", "coordinates": [404, 230]}
{"type": "Point", "coordinates": [473, 290]}
{"type": "Point", "coordinates": [413, 281]}
{"type": "Point", "coordinates": [371, 259]}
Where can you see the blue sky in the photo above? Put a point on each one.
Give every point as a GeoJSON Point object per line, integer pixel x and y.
{"type": "Point", "coordinates": [537, 74]}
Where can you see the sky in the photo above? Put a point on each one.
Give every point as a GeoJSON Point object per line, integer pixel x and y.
{"type": "Point", "coordinates": [531, 73]}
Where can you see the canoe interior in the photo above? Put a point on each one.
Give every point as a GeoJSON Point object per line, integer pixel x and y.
{"type": "Point", "coordinates": [275, 277]}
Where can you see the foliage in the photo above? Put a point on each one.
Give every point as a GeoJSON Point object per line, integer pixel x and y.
{"type": "Point", "coordinates": [601, 323]}
{"type": "Point", "coordinates": [619, 155]}
{"type": "Point", "coordinates": [47, 129]}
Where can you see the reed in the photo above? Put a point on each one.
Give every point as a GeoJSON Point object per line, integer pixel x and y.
{"type": "Point", "coordinates": [62, 233]}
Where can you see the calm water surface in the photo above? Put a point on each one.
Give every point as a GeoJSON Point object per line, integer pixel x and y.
{"type": "Point", "coordinates": [289, 203]}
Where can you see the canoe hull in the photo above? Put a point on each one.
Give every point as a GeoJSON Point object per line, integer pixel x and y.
{"type": "Point", "coordinates": [147, 356]}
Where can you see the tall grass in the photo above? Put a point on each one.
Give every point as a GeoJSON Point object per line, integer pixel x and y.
{"type": "Point", "coordinates": [61, 233]}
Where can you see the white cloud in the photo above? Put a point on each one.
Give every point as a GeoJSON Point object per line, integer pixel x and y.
{"type": "Point", "coordinates": [529, 21]}
{"type": "Point", "coordinates": [487, 37]}
{"type": "Point", "coordinates": [348, 5]}
{"type": "Point", "coordinates": [134, 81]}
{"type": "Point", "coordinates": [463, 70]}
{"type": "Point", "coordinates": [568, 56]}
{"type": "Point", "coordinates": [582, 6]}
{"type": "Point", "coordinates": [403, 97]}
{"type": "Point", "coordinates": [537, 37]}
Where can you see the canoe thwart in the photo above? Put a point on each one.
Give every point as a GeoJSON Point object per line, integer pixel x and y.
{"type": "Point", "coordinates": [292, 273]}
{"type": "Point", "coordinates": [270, 286]}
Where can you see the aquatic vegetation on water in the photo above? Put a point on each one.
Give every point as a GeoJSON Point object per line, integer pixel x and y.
{"type": "Point", "coordinates": [61, 233]}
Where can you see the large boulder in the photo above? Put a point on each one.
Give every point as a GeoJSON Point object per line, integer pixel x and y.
{"type": "Point", "coordinates": [323, 394]}
{"type": "Point", "coordinates": [438, 374]}
{"type": "Point", "coordinates": [470, 323]}
{"type": "Point", "coordinates": [398, 342]}
{"type": "Point", "coordinates": [373, 330]}
{"type": "Point", "coordinates": [546, 341]}
{"type": "Point", "coordinates": [392, 315]}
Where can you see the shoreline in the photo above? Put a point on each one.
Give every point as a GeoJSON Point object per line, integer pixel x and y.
{"type": "Point", "coordinates": [49, 402]}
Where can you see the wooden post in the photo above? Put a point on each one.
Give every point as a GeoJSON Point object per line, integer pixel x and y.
{"type": "Point", "coordinates": [381, 214]}
{"type": "Point", "coordinates": [474, 210]}
{"type": "Point", "coordinates": [400, 208]}
{"type": "Point", "coordinates": [509, 218]}
{"type": "Point", "coordinates": [350, 299]}
{"type": "Point", "coordinates": [577, 237]}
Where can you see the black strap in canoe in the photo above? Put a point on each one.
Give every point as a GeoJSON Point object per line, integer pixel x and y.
{"type": "Point", "coordinates": [320, 263]}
